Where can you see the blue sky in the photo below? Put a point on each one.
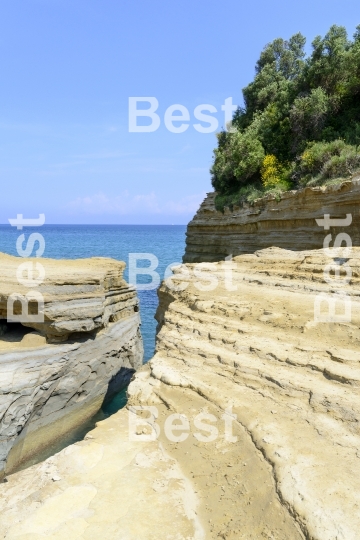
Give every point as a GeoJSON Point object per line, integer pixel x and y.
{"type": "Point", "coordinates": [68, 68]}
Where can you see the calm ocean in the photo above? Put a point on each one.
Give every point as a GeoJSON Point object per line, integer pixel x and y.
{"type": "Point", "coordinates": [166, 242]}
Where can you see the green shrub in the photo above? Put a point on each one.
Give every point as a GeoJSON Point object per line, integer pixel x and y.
{"type": "Point", "coordinates": [304, 111]}
{"type": "Point", "coordinates": [307, 117]}
{"type": "Point", "coordinates": [245, 194]}
{"type": "Point", "coordinates": [249, 194]}
{"type": "Point", "coordinates": [237, 159]}
{"type": "Point", "coordinates": [317, 154]}
{"type": "Point", "coordinates": [343, 165]}
{"type": "Point", "coordinates": [323, 161]}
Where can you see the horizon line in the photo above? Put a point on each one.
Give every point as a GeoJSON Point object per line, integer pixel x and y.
{"type": "Point", "coordinates": [109, 224]}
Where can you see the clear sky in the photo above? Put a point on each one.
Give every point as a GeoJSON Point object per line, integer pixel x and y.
{"type": "Point", "coordinates": [68, 68]}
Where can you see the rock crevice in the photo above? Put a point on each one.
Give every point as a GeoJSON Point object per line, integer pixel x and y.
{"type": "Point", "coordinates": [274, 452]}
{"type": "Point", "coordinates": [87, 348]}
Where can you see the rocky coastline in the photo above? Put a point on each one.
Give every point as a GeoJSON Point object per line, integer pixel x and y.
{"type": "Point", "coordinates": [288, 469]}
{"type": "Point", "coordinates": [55, 374]}
{"type": "Point", "coordinates": [288, 223]}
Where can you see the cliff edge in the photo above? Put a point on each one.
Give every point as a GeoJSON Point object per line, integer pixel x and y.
{"type": "Point", "coordinates": [288, 223]}
{"type": "Point", "coordinates": [56, 372]}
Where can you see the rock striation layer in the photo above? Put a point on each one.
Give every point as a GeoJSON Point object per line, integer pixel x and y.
{"type": "Point", "coordinates": [87, 347]}
{"type": "Point", "coordinates": [288, 223]}
{"type": "Point", "coordinates": [281, 388]}
{"type": "Point", "coordinates": [80, 295]}
{"type": "Point", "coordinates": [253, 344]}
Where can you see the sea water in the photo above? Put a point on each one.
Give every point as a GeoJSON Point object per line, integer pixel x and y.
{"type": "Point", "coordinates": [165, 242]}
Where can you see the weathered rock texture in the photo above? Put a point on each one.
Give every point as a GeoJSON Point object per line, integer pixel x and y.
{"type": "Point", "coordinates": [81, 295]}
{"type": "Point", "coordinates": [293, 383]}
{"type": "Point", "coordinates": [87, 348]}
{"type": "Point", "coordinates": [288, 224]}
{"type": "Point", "coordinates": [105, 487]}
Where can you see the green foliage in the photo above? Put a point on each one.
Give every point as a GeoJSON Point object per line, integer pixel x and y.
{"type": "Point", "coordinates": [249, 194]}
{"type": "Point", "coordinates": [237, 159]}
{"type": "Point", "coordinates": [308, 117]}
{"type": "Point", "coordinates": [323, 161]}
{"type": "Point", "coordinates": [246, 194]}
{"type": "Point", "coordinates": [274, 174]}
{"type": "Point", "coordinates": [294, 101]}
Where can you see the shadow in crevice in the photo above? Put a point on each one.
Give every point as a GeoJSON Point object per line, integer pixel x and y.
{"type": "Point", "coordinates": [114, 400]}
{"type": "Point", "coordinates": [115, 397]}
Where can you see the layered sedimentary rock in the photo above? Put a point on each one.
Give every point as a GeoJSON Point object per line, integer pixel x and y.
{"type": "Point", "coordinates": [240, 343]}
{"type": "Point", "coordinates": [86, 348]}
{"type": "Point", "coordinates": [288, 223]}
{"type": "Point", "coordinates": [81, 295]}
{"type": "Point", "coordinates": [103, 487]}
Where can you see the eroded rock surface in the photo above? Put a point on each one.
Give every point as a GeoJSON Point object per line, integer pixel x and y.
{"type": "Point", "coordinates": [293, 383]}
{"type": "Point", "coordinates": [80, 295]}
{"type": "Point", "coordinates": [103, 487]}
{"type": "Point", "coordinates": [288, 223]}
{"type": "Point", "coordinates": [288, 469]}
{"type": "Point", "coordinates": [88, 347]}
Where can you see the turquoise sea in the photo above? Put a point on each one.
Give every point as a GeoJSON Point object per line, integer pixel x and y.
{"type": "Point", "coordinates": [166, 242]}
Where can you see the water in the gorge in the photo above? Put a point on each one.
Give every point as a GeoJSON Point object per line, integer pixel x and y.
{"type": "Point", "coordinates": [165, 242]}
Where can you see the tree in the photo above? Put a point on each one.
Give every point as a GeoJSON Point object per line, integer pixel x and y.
{"type": "Point", "coordinates": [307, 118]}
{"type": "Point", "coordinates": [237, 160]}
{"type": "Point", "coordinates": [294, 101]}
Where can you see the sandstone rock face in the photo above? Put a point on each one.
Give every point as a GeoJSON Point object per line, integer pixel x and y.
{"type": "Point", "coordinates": [80, 295]}
{"type": "Point", "coordinates": [293, 383]}
{"type": "Point", "coordinates": [88, 347]}
{"type": "Point", "coordinates": [288, 224]}
{"type": "Point", "coordinates": [103, 487]}
{"type": "Point", "coordinates": [284, 467]}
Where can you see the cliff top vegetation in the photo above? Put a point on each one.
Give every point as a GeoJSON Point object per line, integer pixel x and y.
{"type": "Point", "coordinates": [300, 124]}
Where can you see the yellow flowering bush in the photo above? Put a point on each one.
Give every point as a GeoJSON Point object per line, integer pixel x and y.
{"type": "Point", "coordinates": [308, 159]}
{"type": "Point", "coordinates": [272, 172]}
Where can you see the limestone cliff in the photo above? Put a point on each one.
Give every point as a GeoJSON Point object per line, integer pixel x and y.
{"type": "Point", "coordinates": [249, 347]}
{"type": "Point", "coordinates": [86, 348]}
{"type": "Point", "coordinates": [288, 223]}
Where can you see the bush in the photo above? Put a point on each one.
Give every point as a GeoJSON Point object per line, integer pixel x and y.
{"type": "Point", "coordinates": [343, 165]}
{"type": "Point", "coordinates": [237, 159]}
{"type": "Point", "coordinates": [323, 161]}
{"type": "Point", "coordinates": [273, 173]}
{"type": "Point", "coordinates": [304, 111]}
{"type": "Point", "coordinates": [307, 117]}
{"type": "Point", "coordinates": [245, 194]}
{"type": "Point", "coordinates": [317, 154]}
